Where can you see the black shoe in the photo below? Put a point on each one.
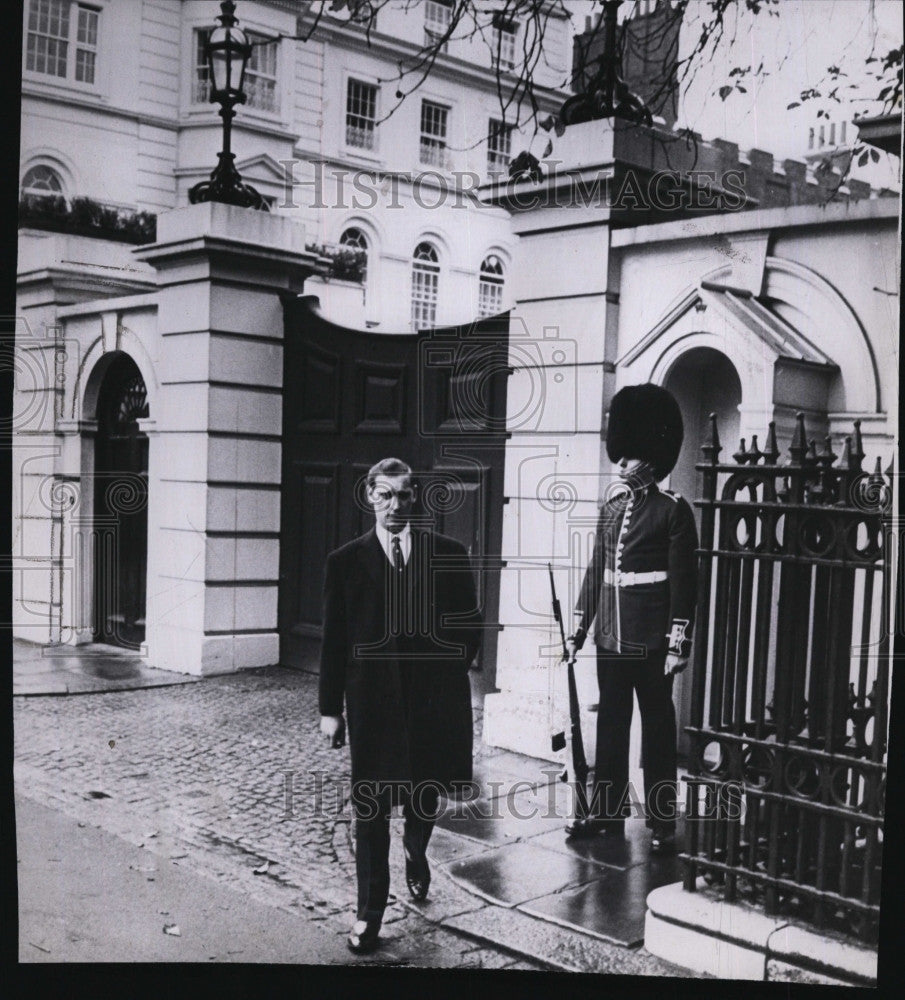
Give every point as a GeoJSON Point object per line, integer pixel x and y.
{"type": "Point", "coordinates": [593, 826]}
{"type": "Point", "coordinates": [663, 841]}
{"type": "Point", "coordinates": [418, 879]}
{"type": "Point", "coordinates": [364, 936]}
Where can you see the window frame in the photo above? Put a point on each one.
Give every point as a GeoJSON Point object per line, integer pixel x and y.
{"type": "Point", "coordinates": [73, 48]}
{"type": "Point", "coordinates": [364, 246]}
{"type": "Point", "coordinates": [501, 130]}
{"type": "Point", "coordinates": [441, 158]}
{"type": "Point", "coordinates": [198, 62]}
{"type": "Point", "coordinates": [502, 28]}
{"type": "Point", "coordinates": [431, 271]}
{"type": "Point", "coordinates": [40, 192]}
{"type": "Point", "coordinates": [433, 35]}
{"type": "Point", "coordinates": [489, 278]}
{"type": "Point", "coordinates": [362, 81]}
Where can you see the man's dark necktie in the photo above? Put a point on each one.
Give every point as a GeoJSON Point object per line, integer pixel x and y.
{"type": "Point", "coordinates": [398, 561]}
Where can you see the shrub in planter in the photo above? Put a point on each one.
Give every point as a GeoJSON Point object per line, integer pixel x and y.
{"type": "Point", "coordinates": [86, 217]}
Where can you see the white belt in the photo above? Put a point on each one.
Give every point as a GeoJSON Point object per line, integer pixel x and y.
{"type": "Point", "coordinates": [622, 579]}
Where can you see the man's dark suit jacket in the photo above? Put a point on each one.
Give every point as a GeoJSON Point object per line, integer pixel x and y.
{"type": "Point", "coordinates": [408, 700]}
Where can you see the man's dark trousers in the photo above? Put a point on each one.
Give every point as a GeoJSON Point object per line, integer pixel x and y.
{"type": "Point", "coordinates": [372, 839]}
{"type": "Point", "coordinates": [619, 675]}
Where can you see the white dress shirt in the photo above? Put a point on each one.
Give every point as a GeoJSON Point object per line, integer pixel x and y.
{"type": "Point", "coordinates": [405, 542]}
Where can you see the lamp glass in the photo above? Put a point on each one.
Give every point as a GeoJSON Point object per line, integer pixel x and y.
{"type": "Point", "coordinates": [228, 50]}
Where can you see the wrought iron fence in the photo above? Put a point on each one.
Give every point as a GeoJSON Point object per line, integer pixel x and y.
{"type": "Point", "coordinates": [791, 681]}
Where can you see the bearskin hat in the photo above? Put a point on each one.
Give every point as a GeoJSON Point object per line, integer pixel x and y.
{"type": "Point", "coordinates": [645, 422]}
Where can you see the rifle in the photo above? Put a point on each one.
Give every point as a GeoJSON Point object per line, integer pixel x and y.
{"type": "Point", "coordinates": [579, 763]}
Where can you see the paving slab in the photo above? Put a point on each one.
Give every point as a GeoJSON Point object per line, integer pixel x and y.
{"type": "Point", "coordinates": [625, 852]}
{"type": "Point", "coordinates": [612, 907]}
{"type": "Point", "coordinates": [517, 872]}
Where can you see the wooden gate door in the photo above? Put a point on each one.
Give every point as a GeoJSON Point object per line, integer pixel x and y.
{"type": "Point", "coordinates": [437, 400]}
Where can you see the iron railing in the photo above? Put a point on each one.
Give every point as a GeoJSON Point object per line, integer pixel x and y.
{"type": "Point", "coordinates": [791, 678]}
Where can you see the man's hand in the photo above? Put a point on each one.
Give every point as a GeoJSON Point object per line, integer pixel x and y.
{"type": "Point", "coordinates": [674, 664]}
{"type": "Point", "coordinates": [334, 728]}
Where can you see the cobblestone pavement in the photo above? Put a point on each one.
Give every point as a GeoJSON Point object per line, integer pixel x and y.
{"type": "Point", "coordinates": [225, 774]}
{"type": "Point", "coordinates": [231, 778]}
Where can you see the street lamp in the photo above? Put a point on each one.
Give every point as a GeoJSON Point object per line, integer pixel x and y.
{"type": "Point", "coordinates": [228, 50]}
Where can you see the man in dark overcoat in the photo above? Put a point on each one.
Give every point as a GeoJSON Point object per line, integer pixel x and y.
{"type": "Point", "coordinates": [640, 592]}
{"type": "Point", "coordinates": [401, 630]}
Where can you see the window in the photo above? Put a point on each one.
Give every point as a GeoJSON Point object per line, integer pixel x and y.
{"type": "Point", "coordinates": [437, 17]}
{"type": "Point", "coordinates": [260, 73]}
{"type": "Point", "coordinates": [503, 41]}
{"type": "Point", "coordinates": [56, 30]}
{"type": "Point", "coordinates": [499, 146]}
{"type": "Point", "coordinates": [42, 181]}
{"type": "Point", "coordinates": [490, 287]}
{"type": "Point", "coordinates": [425, 286]}
{"type": "Point", "coordinates": [354, 239]}
{"type": "Point", "coordinates": [361, 114]}
{"type": "Point", "coordinates": [433, 133]}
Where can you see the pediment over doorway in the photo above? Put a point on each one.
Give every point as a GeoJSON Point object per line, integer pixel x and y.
{"type": "Point", "coordinates": [723, 309]}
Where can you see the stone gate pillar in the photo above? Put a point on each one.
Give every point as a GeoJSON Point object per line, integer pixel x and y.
{"type": "Point", "coordinates": [215, 451]}
{"type": "Point", "coordinates": [562, 348]}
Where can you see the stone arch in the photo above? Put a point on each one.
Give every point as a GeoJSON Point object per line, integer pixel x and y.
{"type": "Point", "coordinates": [832, 322]}
{"type": "Point", "coordinates": [94, 367]}
{"type": "Point", "coordinates": [704, 380]}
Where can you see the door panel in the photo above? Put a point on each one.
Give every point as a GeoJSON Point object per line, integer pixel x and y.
{"type": "Point", "coordinates": [437, 400]}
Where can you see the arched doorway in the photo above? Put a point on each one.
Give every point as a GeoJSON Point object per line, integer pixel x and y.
{"type": "Point", "coordinates": [704, 381]}
{"type": "Point", "coordinates": [121, 507]}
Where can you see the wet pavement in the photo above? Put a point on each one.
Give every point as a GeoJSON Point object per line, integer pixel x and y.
{"type": "Point", "coordinates": [230, 775]}
{"type": "Point", "coordinates": [510, 848]}
{"type": "Point", "coordinates": [51, 670]}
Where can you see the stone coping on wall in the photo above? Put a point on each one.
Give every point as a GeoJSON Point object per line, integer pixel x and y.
{"type": "Point", "coordinates": [700, 931]}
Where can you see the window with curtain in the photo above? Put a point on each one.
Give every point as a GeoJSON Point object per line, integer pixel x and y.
{"type": "Point", "coordinates": [490, 286]}
{"type": "Point", "coordinates": [434, 122]}
{"type": "Point", "coordinates": [260, 73]}
{"type": "Point", "coordinates": [425, 285]}
{"type": "Point", "coordinates": [503, 39]}
{"type": "Point", "coordinates": [437, 17]}
{"type": "Point", "coordinates": [361, 114]}
{"type": "Point", "coordinates": [354, 239]}
{"type": "Point", "coordinates": [499, 146]}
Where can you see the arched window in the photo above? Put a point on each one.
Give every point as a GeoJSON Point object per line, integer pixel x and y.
{"type": "Point", "coordinates": [43, 181]}
{"type": "Point", "coordinates": [354, 239]}
{"type": "Point", "coordinates": [490, 288]}
{"type": "Point", "coordinates": [425, 285]}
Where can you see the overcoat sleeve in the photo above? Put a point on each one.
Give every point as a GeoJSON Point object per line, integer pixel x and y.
{"type": "Point", "coordinates": [332, 680]}
{"type": "Point", "coordinates": [683, 589]}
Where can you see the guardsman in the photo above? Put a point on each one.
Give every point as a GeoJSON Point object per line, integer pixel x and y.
{"type": "Point", "coordinates": [639, 594]}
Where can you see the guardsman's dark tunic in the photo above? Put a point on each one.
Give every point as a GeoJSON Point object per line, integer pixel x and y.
{"type": "Point", "coordinates": [639, 592]}
{"type": "Point", "coordinates": [641, 587]}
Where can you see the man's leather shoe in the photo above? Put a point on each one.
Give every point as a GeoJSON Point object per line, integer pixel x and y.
{"type": "Point", "coordinates": [418, 879]}
{"type": "Point", "coordinates": [364, 937]}
{"type": "Point", "coordinates": [663, 841]}
{"type": "Point", "coordinates": [593, 826]}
